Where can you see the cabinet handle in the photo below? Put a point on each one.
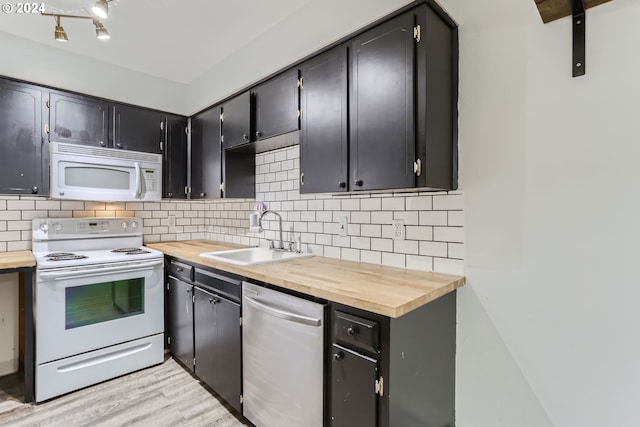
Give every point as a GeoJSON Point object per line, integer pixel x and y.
{"type": "Point", "coordinates": [352, 331]}
{"type": "Point", "coordinates": [258, 134]}
{"type": "Point", "coordinates": [245, 137]}
{"type": "Point", "coordinates": [338, 356]}
{"type": "Point", "coordinates": [358, 182]}
{"type": "Point", "coordinates": [342, 184]}
{"type": "Point", "coordinates": [302, 179]}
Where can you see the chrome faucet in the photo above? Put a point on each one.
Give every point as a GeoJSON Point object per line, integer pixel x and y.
{"type": "Point", "coordinates": [281, 245]}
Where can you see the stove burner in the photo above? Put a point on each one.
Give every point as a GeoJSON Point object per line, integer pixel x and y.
{"type": "Point", "coordinates": [131, 251]}
{"type": "Point", "coordinates": [66, 257]}
{"type": "Point", "coordinates": [58, 254]}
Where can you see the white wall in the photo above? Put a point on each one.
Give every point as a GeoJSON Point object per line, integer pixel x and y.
{"type": "Point", "coordinates": [27, 60]}
{"type": "Point", "coordinates": [548, 323]}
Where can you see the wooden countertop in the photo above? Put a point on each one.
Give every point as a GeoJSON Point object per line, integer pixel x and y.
{"type": "Point", "coordinates": [384, 290]}
{"type": "Point", "coordinates": [16, 259]}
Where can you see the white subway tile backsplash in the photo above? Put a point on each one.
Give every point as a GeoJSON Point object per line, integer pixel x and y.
{"type": "Point", "coordinates": [433, 220]}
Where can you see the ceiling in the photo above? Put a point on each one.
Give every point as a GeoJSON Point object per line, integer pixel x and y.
{"type": "Point", "coordinates": [174, 40]}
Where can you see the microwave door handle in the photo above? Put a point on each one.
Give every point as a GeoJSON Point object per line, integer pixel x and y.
{"type": "Point", "coordinates": [138, 183]}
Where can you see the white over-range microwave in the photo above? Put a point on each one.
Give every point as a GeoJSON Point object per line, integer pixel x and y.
{"type": "Point", "coordinates": [81, 172]}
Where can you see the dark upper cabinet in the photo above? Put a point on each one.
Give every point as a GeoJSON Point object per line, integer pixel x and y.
{"type": "Point", "coordinates": [78, 119]}
{"type": "Point", "coordinates": [381, 78]}
{"type": "Point", "coordinates": [206, 155]}
{"type": "Point", "coordinates": [181, 321]}
{"type": "Point", "coordinates": [236, 123]}
{"type": "Point", "coordinates": [175, 157]}
{"type": "Point", "coordinates": [22, 139]}
{"type": "Point", "coordinates": [137, 129]}
{"type": "Point", "coordinates": [324, 123]}
{"type": "Point", "coordinates": [276, 105]}
{"type": "Point", "coordinates": [239, 172]}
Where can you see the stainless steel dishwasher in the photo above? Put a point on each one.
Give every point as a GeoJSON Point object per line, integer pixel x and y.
{"type": "Point", "coordinates": [282, 344]}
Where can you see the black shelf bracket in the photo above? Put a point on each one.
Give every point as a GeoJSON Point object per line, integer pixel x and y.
{"type": "Point", "coordinates": [579, 32]}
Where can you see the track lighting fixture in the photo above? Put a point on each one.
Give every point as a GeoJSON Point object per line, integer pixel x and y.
{"type": "Point", "coordinates": [61, 35]}
{"type": "Point", "coordinates": [101, 9]}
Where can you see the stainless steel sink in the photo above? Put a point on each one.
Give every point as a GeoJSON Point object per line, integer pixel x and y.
{"type": "Point", "coordinates": [253, 256]}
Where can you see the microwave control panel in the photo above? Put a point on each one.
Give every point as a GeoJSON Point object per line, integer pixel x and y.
{"type": "Point", "coordinates": [149, 179]}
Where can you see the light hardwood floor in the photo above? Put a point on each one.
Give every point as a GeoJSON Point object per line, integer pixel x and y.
{"type": "Point", "coordinates": [163, 395]}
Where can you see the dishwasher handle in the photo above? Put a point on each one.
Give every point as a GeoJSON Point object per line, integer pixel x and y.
{"type": "Point", "coordinates": [311, 321]}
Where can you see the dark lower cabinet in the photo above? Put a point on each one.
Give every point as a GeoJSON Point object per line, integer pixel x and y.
{"type": "Point", "coordinates": [180, 328]}
{"type": "Point", "coordinates": [217, 345]}
{"type": "Point", "coordinates": [353, 377]}
{"type": "Point", "coordinates": [387, 372]}
{"type": "Point", "coordinates": [22, 150]}
{"type": "Point", "coordinates": [324, 126]}
{"type": "Point", "coordinates": [137, 129]}
{"type": "Point", "coordinates": [78, 119]}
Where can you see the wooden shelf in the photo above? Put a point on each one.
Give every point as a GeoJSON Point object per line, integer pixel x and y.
{"type": "Point", "coordinates": [550, 10]}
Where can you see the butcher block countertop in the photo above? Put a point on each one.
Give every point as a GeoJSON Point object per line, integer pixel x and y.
{"type": "Point", "coordinates": [383, 290]}
{"type": "Point", "coordinates": [16, 259]}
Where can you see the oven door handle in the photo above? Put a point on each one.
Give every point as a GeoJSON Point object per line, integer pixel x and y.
{"type": "Point", "coordinates": [56, 275]}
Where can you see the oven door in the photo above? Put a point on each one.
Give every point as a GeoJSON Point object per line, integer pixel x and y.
{"type": "Point", "coordinates": [92, 307]}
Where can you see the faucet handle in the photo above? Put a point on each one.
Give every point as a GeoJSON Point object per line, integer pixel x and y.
{"type": "Point", "coordinates": [271, 245]}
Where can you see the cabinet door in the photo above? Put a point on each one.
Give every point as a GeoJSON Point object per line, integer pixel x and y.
{"type": "Point", "coordinates": [353, 398]}
{"type": "Point", "coordinates": [236, 125]}
{"type": "Point", "coordinates": [181, 321]}
{"type": "Point", "coordinates": [239, 171]}
{"type": "Point", "coordinates": [78, 119]}
{"type": "Point", "coordinates": [175, 158]}
{"type": "Point", "coordinates": [228, 358]}
{"type": "Point", "coordinates": [204, 313]}
{"type": "Point", "coordinates": [324, 128]}
{"type": "Point", "coordinates": [206, 154]}
{"type": "Point", "coordinates": [137, 129]}
{"type": "Point", "coordinates": [276, 105]}
{"type": "Point", "coordinates": [382, 106]}
{"type": "Point", "coordinates": [21, 139]}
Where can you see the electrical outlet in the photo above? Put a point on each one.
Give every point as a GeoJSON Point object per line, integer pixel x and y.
{"type": "Point", "coordinates": [398, 229]}
{"type": "Point", "coordinates": [342, 226]}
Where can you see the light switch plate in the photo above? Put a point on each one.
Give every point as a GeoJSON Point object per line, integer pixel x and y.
{"type": "Point", "coordinates": [342, 226]}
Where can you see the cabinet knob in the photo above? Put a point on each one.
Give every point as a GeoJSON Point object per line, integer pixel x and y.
{"type": "Point", "coordinates": [179, 269]}
{"type": "Point", "coordinates": [338, 356]}
{"type": "Point", "coordinates": [245, 137]}
{"type": "Point", "coordinates": [119, 145]}
{"type": "Point", "coordinates": [213, 300]}
{"type": "Point", "coordinates": [358, 182]}
{"type": "Point", "coordinates": [342, 184]}
{"type": "Point", "coordinates": [169, 194]}
{"type": "Point", "coordinates": [202, 194]}
{"type": "Point", "coordinates": [103, 144]}
{"type": "Point", "coordinates": [352, 331]}
{"type": "Point", "coordinates": [34, 190]}
{"type": "Point", "coordinates": [258, 134]}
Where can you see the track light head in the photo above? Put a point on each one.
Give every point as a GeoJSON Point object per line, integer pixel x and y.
{"type": "Point", "coordinates": [101, 9]}
{"type": "Point", "coordinates": [101, 31]}
{"type": "Point", "coordinates": [60, 34]}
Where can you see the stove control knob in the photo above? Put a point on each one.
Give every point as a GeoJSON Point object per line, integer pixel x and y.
{"type": "Point", "coordinates": [133, 225]}
{"type": "Point", "coordinates": [57, 226]}
{"type": "Point", "coordinates": [44, 227]}
{"type": "Point", "coordinates": [125, 225]}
